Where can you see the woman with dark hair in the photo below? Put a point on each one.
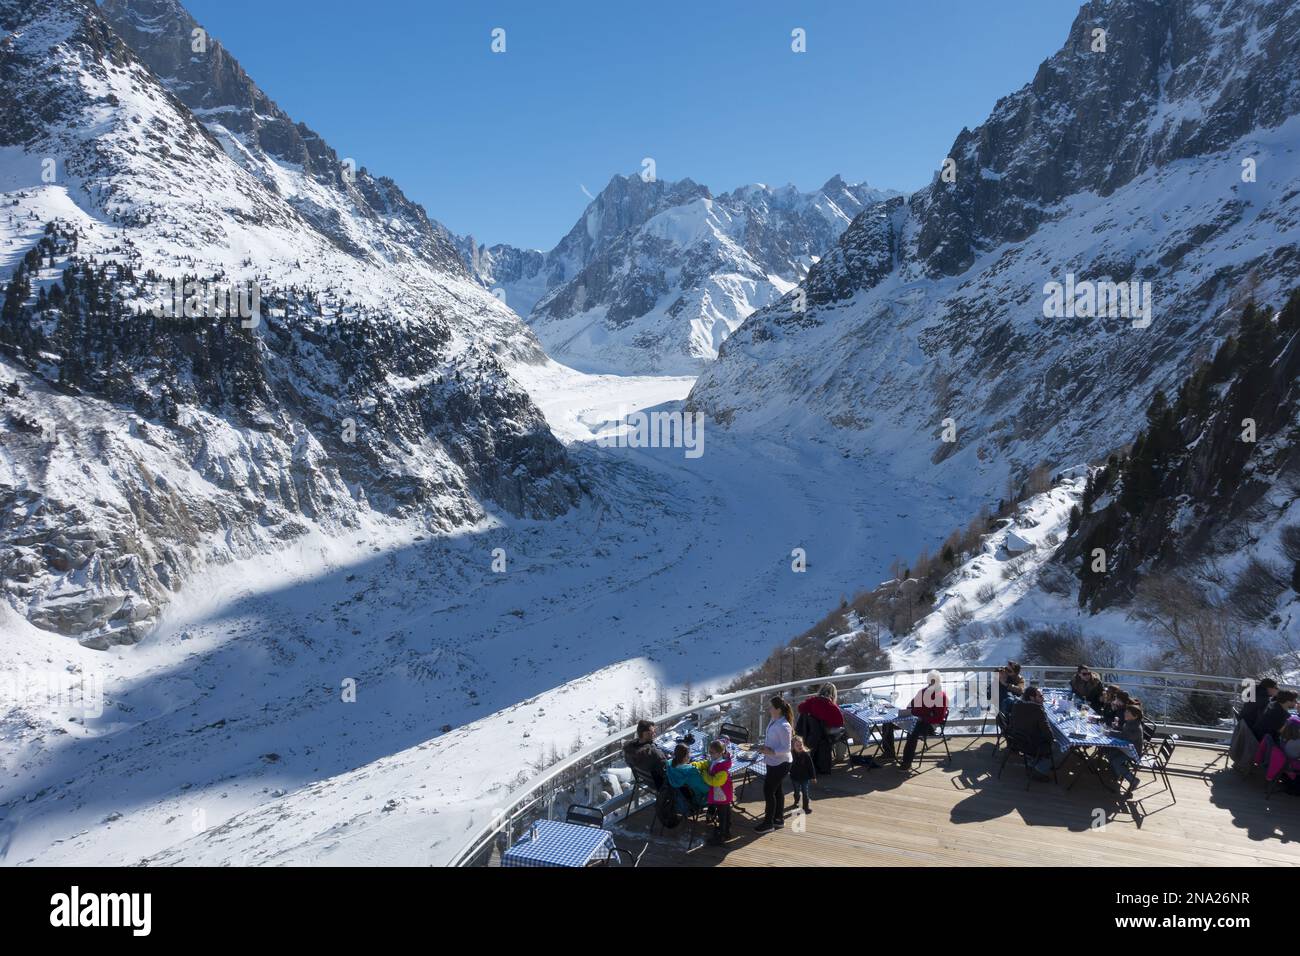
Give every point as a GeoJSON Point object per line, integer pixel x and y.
{"type": "Point", "coordinates": [685, 777]}
{"type": "Point", "coordinates": [1263, 692]}
{"type": "Point", "coordinates": [776, 756]}
{"type": "Point", "coordinates": [1114, 711]}
{"type": "Point", "coordinates": [1109, 703]}
{"type": "Point", "coordinates": [820, 720]}
{"type": "Point", "coordinates": [1275, 715]}
{"type": "Point", "coordinates": [1087, 685]}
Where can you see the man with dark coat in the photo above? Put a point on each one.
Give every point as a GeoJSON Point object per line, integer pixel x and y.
{"type": "Point", "coordinates": [1029, 725]}
{"type": "Point", "coordinates": [642, 754]}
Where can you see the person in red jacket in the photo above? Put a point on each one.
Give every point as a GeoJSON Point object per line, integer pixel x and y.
{"type": "Point", "coordinates": [820, 722]}
{"type": "Point", "coordinates": [930, 708]}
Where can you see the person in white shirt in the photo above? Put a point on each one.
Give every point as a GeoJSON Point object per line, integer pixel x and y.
{"type": "Point", "coordinates": [776, 755]}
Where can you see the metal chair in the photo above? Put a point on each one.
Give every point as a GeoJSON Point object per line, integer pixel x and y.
{"type": "Point", "coordinates": [587, 816]}
{"type": "Point", "coordinates": [939, 731]}
{"type": "Point", "coordinates": [619, 853]}
{"type": "Point", "coordinates": [1003, 726]}
{"type": "Point", "coordinates": [1158, 764]}
{"type": "Point", "coordinates": [1150, 736]}
{"type": "Point", "coordinates": [735, 733]}
{"type": "Point", "coordinates": [641, 780]}
{"type": "Point", "coordinates": [1017, 744]}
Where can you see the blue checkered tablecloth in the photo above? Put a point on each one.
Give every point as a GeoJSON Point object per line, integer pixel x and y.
{"type": "Point", "coordinates": [552, 843]}
{"type": "Point", "coordinates": [741, 760]}
{"type": "Point", "coordinates": [862, 717]}
{"type": "Point", "coordinates": [1074, 730]}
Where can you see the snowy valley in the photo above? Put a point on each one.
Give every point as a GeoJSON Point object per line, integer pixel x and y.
{"type": "Point", "coordinates": [325, 585]}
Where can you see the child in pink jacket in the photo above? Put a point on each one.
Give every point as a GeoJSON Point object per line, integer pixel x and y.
{"type": "Point", "coordinates": [718, 777]}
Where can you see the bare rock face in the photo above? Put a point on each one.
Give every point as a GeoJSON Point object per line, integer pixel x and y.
{"type": "Point", "coordinates": [140, 447]}
{"type": "Point", "coordinates": [1169, 160]}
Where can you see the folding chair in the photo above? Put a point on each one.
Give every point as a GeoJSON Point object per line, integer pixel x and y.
{"type": "Point", "coordinates": [1003, 727]}
{"type": "Point", "coordinates": [641, 780]}
{"type": "Point", "coordinates": [1158, 764]}
{"type": "Point", "coordinates": [735, 733]}
{"type": "Point", "coordinates": [936, 731]}
{"type": "Point", "coordinates": [1150, 735]}
{"type": "Point", "coordinates": [585, 815]}
{"type": "Point", "coordinates": [693, 818]}
{"type": "Point", "coordinates": [1017, 744]}
{"type": "Point", "coordinates": [620, 853]}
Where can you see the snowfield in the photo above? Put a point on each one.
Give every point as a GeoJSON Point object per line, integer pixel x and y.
{"type": "Point", "coordinates": [230, 719]}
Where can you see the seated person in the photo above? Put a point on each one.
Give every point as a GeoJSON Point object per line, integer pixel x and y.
{"type": "Point", "coordinates": [684, 776]}
{"type": "Point", "coordinates": [1113, 703]}
{"type": "Point", "coordinates": [1272, 718]}
{"type": "Point", "coordinates": [819, 718]}
{"type": "Point", "coordinates": [1010, 686]}
{"type": "Point", "coordinates": [1032, 732]}
{"type": "Point", "coordinates": [930, 708]}
{"type": "Point", "coordinates": [1290, 738]}
{"type": "Point", "coordinates": [1087, 685]}
{"type": "Point", "coordinates": [1263, 691]}
{"type": "Point", "coordinates": [642, 754]}
{"type": "Point", "coordinates": [1121, 764]}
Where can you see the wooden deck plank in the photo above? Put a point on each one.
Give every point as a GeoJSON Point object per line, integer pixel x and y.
{"type": "Point", "coordinates": [963, 815]}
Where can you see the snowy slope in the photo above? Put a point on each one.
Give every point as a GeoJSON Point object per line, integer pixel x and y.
{"type": "Point", "coordinates": [233, 707]}
{"type": "Point", "coordinates": [656, 275]}
{"type": "Point", "coordinates": [140, 181]}
{"type": "Point", "coordinates": [1123, 165]}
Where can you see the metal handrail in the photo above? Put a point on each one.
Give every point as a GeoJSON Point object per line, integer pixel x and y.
{"type": "Point", "coordinates": [534, 791]}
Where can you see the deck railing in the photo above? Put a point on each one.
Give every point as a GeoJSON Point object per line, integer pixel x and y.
{"type": "Point", "coordinates": [1196, 707]}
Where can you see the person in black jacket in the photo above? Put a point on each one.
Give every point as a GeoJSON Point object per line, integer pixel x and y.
{"type": "Point", "coordinates": [1087, 685]}
{"type": "Point", "coordinates": [1275, 715]}
{"type": "Point", "coordinates": [1264, 692]}
{"type": "Point", "coordinates": [642, 754]}
{"type": "Point", "coordinates": [802, 772]}
{"type": "Point", "coordinates": [1010, 686]}
{"type": "Point", "coordinates": [1030, 729]}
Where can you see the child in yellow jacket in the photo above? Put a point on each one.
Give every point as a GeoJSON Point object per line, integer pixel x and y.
{"type": "Point", "coordinates": [717, 774]}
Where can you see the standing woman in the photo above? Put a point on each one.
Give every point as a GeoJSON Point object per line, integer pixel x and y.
{"type": "Point", "coordinates": [776, 755]}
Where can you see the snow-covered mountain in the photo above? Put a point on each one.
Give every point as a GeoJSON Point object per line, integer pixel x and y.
{"type": "Point", "coordinates": [138, 450]}
{"type": "Point", "coordinates": [1159, 146]}
{"type": "Point", "coordinates": [655, 275]}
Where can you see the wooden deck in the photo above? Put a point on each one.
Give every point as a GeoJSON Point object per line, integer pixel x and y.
{"type": "Point", "coordinates": [962, 815]}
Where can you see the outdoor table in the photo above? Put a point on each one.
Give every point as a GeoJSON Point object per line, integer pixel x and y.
{"type": "Point", "coordinates": [867, 717]}
{"type": "Point", "coordinates": [553, 843]}
{"type": "Point", "coordinates": [741, 760]}
{"type": "Point", "coordinates": [1078, 735]}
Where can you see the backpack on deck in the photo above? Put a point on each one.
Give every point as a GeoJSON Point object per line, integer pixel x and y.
{"type": "Point", "coordinates": [666, 807]}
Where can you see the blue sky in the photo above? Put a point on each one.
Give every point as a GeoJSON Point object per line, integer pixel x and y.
{"type": "Point", "coordinates": [501, 145]}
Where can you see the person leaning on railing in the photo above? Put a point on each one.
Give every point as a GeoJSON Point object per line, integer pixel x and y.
{"type": "Point", "coordinates": [642, 754]}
